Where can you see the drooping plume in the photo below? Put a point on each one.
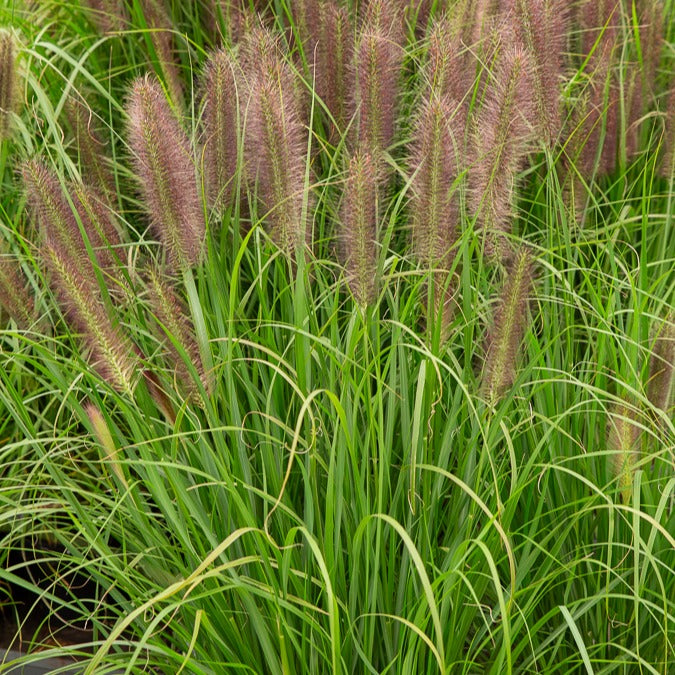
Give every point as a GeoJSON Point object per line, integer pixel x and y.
{"type": "Point", "coordinates": [7, 81]}
{"type": "Point", "coordinates": [377, 70]}
{"type": "Point", "coordinates": [275, 145]}
{"type": "Point", "coordinates": [108, 15]}
{"type": "Point", "coordinates": [662, 366]}
{"type": "Point", "coordinates": [111, 352]}
{"type": "Point", "coordinates": [166, 174]}
{"type": "Point", "coordinates": [161, 34]}
{"type": "Point", "coordinates": [508, 328]}
{"type": "Point", "coordinates": [14, 298]}
{"type": "Point", "coordinates": [622, 443]}
{"type": "Point", "coordinates": [358, 226]}
{"type": "Point", "coordinates": [90, 148]}
{"type": "Point", "coordinates": [177, 331]}
{"type": "Point", "coordinates": [502, 136]}
{"type": "Point", "coordinates": [221, 127]}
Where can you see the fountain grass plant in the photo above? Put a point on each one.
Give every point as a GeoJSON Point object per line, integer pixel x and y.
{"type": "Point", "coordinates": [264, 456]}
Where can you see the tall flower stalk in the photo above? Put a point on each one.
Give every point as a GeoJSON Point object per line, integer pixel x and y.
{"type": "Point", "coordinates": [166, 173]}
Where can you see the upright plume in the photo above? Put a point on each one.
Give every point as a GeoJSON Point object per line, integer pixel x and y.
{"type": "Point", "coordinates": [14, 298]}
{"type": "Point", "coordinates": [377, 71]}
{"type": "Point", "coordinates": [275, 140]}
{"type": "Point", "coordinates": [502, 136]}
{"type": "Point", "coordinates": [7, 81]}
{"type": "Point", "coordinates": [662, 366]}
{"type": "Point", "coordinates": [622, 442]}
{"type": "Point", "coordinates": [508, 328]}
{"type": "Point", "coordinates": [358, 226]}
{"type": "Point", "coordinates": [221, 126]}
{"type": "Point", "coordinates": [166, 174]}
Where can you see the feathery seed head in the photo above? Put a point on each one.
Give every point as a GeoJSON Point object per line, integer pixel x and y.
{"type": "Point", "coordinates": [8, 76]}
{"type": "Point", "coordinates": [660, 389]}
{"type": "Point", "coordinates": [667, 163]}
{"type": "Point", "coordinates": [622, 442]}
{"type": "Point", "coordinates": [175, 324]}
{"type": "Point", "coordinates": [90, 147]}
{"type": "Point", "coordinates": [436, 161]}
{"type": "Point", "coordinates": [166, 173]}
{"type": "Point", "coordinates": [508, 328]}
{"type": "Point", "coordinates": [358, 226]}
{"type": "Point", "coordinates": [111, 352]}
{"type": "Point", "coordinates": [377, 69]}
{"type": "Point", "coordinates": [221, 126]}
{"type": "Point", "coordinates": [108, 15]}
{"type": "Point", "coordinates": [275, 140]}
{"type": "Point", "coordinates": [502, 133]}
{"type": "Point", "coordinates": [14, 298]}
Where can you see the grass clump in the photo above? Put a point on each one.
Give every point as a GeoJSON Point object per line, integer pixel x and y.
{"type": "Point", "coordinates": [378, 358]}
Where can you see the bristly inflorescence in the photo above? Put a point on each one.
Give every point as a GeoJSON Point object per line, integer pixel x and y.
{"type": "Point", "coordinates": [377, 71]}
{"type": "Point", "coordinates": [14, 296]}
{"type": "Point", "coordinates": [166, 174]}
{"type": "Point", "coordinates": [90, 148]}
{"type": "Point", "coordinates": [108, 15]}
{"type": "Point", "coordinates": [660, 389]}
{"type": "Point", "coordinates": [508, 328]}
{"type": "Point", "coordinates": [221, 127]}
{"type": "Point", "coordinates": [275, 141]}
{"type": "Point", "coordinates": [358, 226]}
{"type": "Point", "coordinates": [623, 435]}
{"type": "Point", "coordinates": [502, 138]}
{"type": "Point", "coordinates": [177, 331]}
{"type": "Point", "coordinates": [8, 77]}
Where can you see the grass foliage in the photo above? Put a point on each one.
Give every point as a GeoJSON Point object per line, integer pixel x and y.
{"type": "Point", "coordinates": [302, 472]}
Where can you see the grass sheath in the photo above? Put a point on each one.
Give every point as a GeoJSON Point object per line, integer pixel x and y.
{"type": "Point", "coordinates": [166, 174]}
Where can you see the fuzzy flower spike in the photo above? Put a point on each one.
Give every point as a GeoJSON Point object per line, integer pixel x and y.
{"type": "Point", "coordinates": [166, 173]}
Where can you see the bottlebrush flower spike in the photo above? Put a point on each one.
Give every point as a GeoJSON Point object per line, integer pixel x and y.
{"type": "Point", "coordinates": [90, 148]}
{"type": "Point", "coordinates": [540, 27]}
{"type": "Point", "coordinates": [667, 163]}
{"type": "Point", "coordinates": [7, 81]}
{"type": "Point", "coordinates": [651, 41]}
{"type": "Point", "coordinates": [62, 222]}
{"type": "Point", "coordinates": [599, 20]}
{"type": "Point", "coordinates": [437, 150]}
{"type": "Point", "coordinates": [662, 367]}
{"type": "Point", "coordinates": [449, 69]}
{"type": "Point", "coordinates": [221, 127]}
{"type": "Point", "coordinates": [622, 443]}
{"type": "Point", "coordinates": [377, 70]}
{"type": "Point", "coordinates": [508, 328]}
{"type": "Point", "coordinates": [358, 226]}
{"type": "Point", "coordinates": [108, 15]}
{"type": "Point", "coordinates": [502, 137]}
{"type": "Point", "coordinates": [177, 327]}
{"type": "Point", "coordinates": [330, 62]}
{"type": "Point", "coordinates": [275, 141]}
{"type": "Point", "coordinates": [161, 34]}
{"type": "Point", "coordinates": [166, 174]}
{"type": "Point", "coordinates": [14, 297]}
{"type": "Point", "coordinates": [111, 353]}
